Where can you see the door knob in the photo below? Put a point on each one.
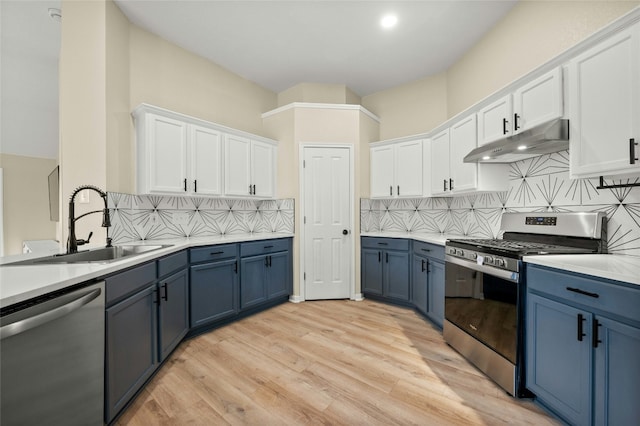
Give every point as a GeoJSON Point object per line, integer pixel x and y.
{"type": "Point", "coordinates": [345, 232]}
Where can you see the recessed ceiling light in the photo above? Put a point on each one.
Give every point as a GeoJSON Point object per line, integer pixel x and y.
{"type": "Point", "coordinates": [522, 147]}
{"type": "Point", "coordinates": [389, 21]}
{"type": "Point", "coordinates": [486, 157]}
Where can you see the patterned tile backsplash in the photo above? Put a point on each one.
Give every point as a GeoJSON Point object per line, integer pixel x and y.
{"type": "Point", "coordinates": [152, 217]}
{"type": "Point", "coordinates": [539, 184]}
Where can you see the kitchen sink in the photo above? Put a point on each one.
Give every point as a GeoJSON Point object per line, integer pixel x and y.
{"type": "Point", "coordinates": [102, 255]}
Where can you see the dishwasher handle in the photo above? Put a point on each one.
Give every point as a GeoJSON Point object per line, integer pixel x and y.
{"type": "Point", "coordinates": [48, 316]}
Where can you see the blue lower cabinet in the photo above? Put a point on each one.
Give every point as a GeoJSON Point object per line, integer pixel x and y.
{"type": "Point", "coordinates": [254, 281]}
{"type": "Point", "coordinates": [214, 291]}
{"type": "Point", "coordinates": [279, 280]}
{"type": "Point", "coordinates": [420, 283]}
{"type": "Point", "coordinates": [395, 282]}
{"type": "Point", "coordinates": [385, 268]}
{"type": "Point", "coordinates": [131, 350]}
{"type": "Point", "coordinates": [435, 291]}
{"type": "Point", "coordinates": [372, 271]}
{"type": "Point", "coordinates": [173, 311]}
{"type": "Point", "coordinates": [583, 346]}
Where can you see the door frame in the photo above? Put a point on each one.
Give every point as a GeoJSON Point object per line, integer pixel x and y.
{"type": "Point", "coordinates": [352, 274]}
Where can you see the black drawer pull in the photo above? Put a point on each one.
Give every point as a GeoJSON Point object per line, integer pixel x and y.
{"type": "Point", "coordinates": [268, 247]}
{"type": "Point", "coordinates": [426, 250]}
{"type": "Point", "coordinates": [594, 333]}
{"type": "Point", "coordinates": [383, 244]}
{"type": "Point", "coordinates": [504, 126]}
{"type": "Point", "coordinates": [379, 256]}
{"type": "Point", "coordinates": [423, 267]}
{"type": "Point", "coordinates": [166, 292]}
{"type": "Point", "coordinates": [580, 333]}
{"type": "Point", "coordinates": [216, 252]}
{"type": "Point", "coordinates": [185, 185]}
{"type": "Point", "coordinates": [516, 126]}
{"type": "Point", "coordinates": [632, 151]}
{"type": "Point", "coordinates": [585, 293]}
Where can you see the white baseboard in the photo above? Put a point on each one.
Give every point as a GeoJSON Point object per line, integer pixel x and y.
{"type": "Point", "coordinates": [358, 297]}
{"type": "Point", "coordinates": [295, 299]}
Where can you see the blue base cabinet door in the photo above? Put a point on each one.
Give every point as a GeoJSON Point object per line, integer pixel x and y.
{"type": "Point", "coordinates": [435, 296]}
{"type": "Point", "coordinates": [617, 373]}
{"type": "Point", "coordinates": [396, 275]}
{"type": "Point", "coordinates": [173, 311]}
{"type": "Point", "coordinates": [254, 284]}
{"type": "Point", "coordinates": [419, 283]}
{"type": "Point", "coordinates": [214, 291]}
{"type": "Point", "coordinates": [131, 357]}
{"type": "Point", "coordinates": [559, 357]}
{"type": "Point", "coordinates": [372, 271]}
{"type": "Point", "coordinates": [279, 275]}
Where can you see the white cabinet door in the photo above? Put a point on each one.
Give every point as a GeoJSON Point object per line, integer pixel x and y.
{"type": "Point", "coordinates": [408, 169]}
{"type": "Point", "coordinates": [382, 177]}
{"type": "Point", "coordinates": [206, 161]}
{"type": "Point", "coordinates": [262, 169]}
{"type": "Point", "coordinates": [463, 139]}
{"type": "Point", "coordinates": [538, 101]}
{"type": "Point", "coordinates": [167, 155]}
{"type": "Point", "coordinates": [494, 121]}
{"type": "Point", "coordinates": [237, 165]}
{"type": "Point", "coordinates": [426, 168]}
{"type": "Point", "coordinates": [604, 96]}
{"type": "Point", "coordinates": [440, 163]}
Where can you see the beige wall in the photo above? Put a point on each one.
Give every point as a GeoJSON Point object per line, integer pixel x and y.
{"type": "Point", "coordinates": [165, 75]}
{"type": "Point", "coordinates": [318, 93]}
{"type": "Point", "coordinates": [26, 200]}
{"type": "Point", "coordinates": [532, 33]}
{"type": "Point", "coordinates": [83, 128]}
{"type": "Point", "coordinates": [411, 108]}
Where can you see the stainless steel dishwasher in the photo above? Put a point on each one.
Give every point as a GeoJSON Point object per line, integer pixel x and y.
{"type": "Point", "coordinates": [52, 359]}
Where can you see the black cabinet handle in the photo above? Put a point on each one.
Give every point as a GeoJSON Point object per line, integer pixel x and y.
{"type": "Point", "coordinates": [594, 333]}
{"type": "Point", "coordinates": [185, 184]}
{"type": "Point", "coordinates": [235, 267]}
{"type": "Point", "coordinates": [266, 261]}
{"type": "Point", "coordinates": [390, 190]}
{"type": "Point", "coordinates": [254, 189]}
{"type": "Point", "coordinates": [580, 333]}
{"type": "Point", "coordinates": [398, 194]}
{"type": "Point", "coordinates": [195, 185]}
{"type": "Point", "coordinates": [515, 122]}
{"type": "Point", "coordinates": [269, 258]}
{"type": "Point", "coordinates": [450, 184]}
{"type": "Point", "coordinates": [445, 184]}
{"type": "Point", "coordinates": [250, 193]}
{"type": "Point", "coordinates": [585, 293]}
{"type": "Point", "coordinates": [166, 292]}
{"type": "Point", "coordinates": [216, 253]}
{"type": "Point", "coordinates": [504, 126]}
{"type": "Point", "coordinates": [423, 268]}
{"type": "Point", "coordinates": [387, 257]}
{"type": "Point", "coordinates": [427, 250]}
{"type": "Point", "coordinates": [379, 257]}
{"type": "Point", "coordinates": [428, 269]}
{"type": "Point", "coordinates": [157, 298]}
{"type": "Point", "coordinates": [268, 247]}
{"type": "Point", "coordinates": [632, 151]}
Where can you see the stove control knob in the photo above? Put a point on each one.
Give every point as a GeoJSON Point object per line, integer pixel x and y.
{"type": "Point", "coordinates": [473, 256]}
{"type": "Point", "coordinates": [488, 260]}
{"type": "Point", "coordinates": [460, 252]}
{"type": "Point", "coordinates": [500, 262]}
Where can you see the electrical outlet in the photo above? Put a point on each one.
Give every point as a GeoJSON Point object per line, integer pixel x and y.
{"type": "Point", "coordinates": [180, 218]}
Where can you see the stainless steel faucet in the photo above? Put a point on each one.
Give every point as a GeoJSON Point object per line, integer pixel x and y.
{"type": "Point", "coordinates": [73, 242]}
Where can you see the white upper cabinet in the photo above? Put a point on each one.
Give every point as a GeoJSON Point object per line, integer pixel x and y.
{"type": "Point", "coordinates": [536, 102]}
{"type": "Point", "coordinates": [450, 175]}
{"type": "Point", "coordinates": [604, 107]}
{"type": "Point", "coordinates": [494, 120]}
{"type": "Point", "coordinates": [249, 167]}
{"type": "Point", "coordinates": [396, 169]}
{"type": "Point", "coordinates": [178, 154]}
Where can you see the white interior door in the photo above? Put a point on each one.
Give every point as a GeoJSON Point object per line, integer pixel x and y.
{"type": "Point", "coordinates": [328, 240]}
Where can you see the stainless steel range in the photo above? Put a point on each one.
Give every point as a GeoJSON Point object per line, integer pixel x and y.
{"type": "Point", "coordinates": [485, 286]}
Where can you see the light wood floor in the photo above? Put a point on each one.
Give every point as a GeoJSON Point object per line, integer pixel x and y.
{"type": "Point", "coordinates": [326, 362]}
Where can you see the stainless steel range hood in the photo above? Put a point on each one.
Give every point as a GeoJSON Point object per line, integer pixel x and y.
{"type": "Point", "coordinates": [542, 139]}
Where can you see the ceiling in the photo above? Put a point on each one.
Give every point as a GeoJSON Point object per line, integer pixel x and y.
{"type": "Point", "coordinates": [279, 44]}
{"type": "Point", "coordinates": [276, 44]}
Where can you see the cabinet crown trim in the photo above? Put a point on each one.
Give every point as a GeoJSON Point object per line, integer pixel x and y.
{"type": "Point", "coordinates": [347, 107]}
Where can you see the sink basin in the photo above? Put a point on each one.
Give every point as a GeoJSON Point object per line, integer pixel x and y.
{"type": "Point", "coordinates": [102, 255]}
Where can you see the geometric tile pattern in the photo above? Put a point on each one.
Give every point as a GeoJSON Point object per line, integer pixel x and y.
{"type": "Point", "coordinates": [539, 184]}
{"type": "Point", "coordinates": [152, 217]}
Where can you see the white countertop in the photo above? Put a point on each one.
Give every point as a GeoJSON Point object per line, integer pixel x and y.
{"type": "Point", "coordinates": [24, 282]}
{"type": "Point", "coordinates": [433, 238]}
{"type": "Point", "coordinates": [618, 267]}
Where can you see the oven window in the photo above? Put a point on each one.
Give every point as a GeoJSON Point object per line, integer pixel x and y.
{"type": "Point", "coordinates": [484, 306]}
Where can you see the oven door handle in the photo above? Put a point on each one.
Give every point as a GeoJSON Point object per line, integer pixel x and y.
{"type": "Point", "coordinates": [499, 273]}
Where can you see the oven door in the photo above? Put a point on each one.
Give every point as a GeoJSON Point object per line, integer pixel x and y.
{"type": "Point", "coordinates": [482, 301]}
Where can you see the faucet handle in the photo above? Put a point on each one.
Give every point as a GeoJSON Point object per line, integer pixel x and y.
{"type": "Point", "coordinates": [83, 242]}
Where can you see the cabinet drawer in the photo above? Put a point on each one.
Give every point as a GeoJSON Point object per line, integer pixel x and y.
{"type": "Point", "coordinates": [263, 247]}
{"type": "Point", "coordinates": [385, 243]}
{"type": "Point", "coordinates": [601, 294]}
{"type": "Point", "coordinates": [211, 253]}
{"type": "Point", "coordinates": [128, 282]}
{"type": "Point", "coordinates": [427, 249]}
{"type": "Point", "coordinates": [172, 263]}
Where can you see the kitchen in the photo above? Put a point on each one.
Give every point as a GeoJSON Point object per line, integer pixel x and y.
{"type": "Point", "coordinates": [457, 89]}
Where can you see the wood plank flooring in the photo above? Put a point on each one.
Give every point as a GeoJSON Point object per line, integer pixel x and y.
{"type": "Point", "coordinates": [325, 362]}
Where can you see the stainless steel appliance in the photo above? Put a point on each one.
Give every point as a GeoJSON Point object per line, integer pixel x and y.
{"type": "Point", "coordinates": [485, 286]}
{"type": "Point", "coordinates": [52, 359]}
